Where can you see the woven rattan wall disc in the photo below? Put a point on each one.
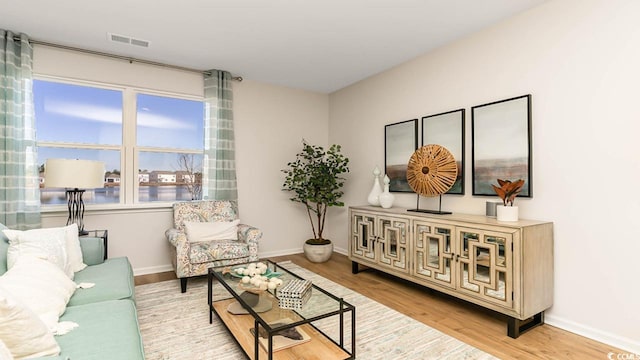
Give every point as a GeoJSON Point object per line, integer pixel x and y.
{"type": "Point", "coordinates": [432, 170]}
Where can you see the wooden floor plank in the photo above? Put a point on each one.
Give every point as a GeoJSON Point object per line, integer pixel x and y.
{"type": "Point", "coordinates": [467, 322]}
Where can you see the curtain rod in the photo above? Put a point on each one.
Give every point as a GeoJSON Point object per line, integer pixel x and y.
{"type": "Point", "coordinates": [120, 57]}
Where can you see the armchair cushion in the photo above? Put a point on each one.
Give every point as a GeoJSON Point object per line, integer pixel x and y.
{"type": "Point", "coordinates": [211, 231]}
{"type": "Point", "coordinates": [204, 252]}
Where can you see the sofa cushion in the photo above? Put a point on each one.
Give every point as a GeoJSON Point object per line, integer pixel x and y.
{"type": "Point", "coordinates": [106, 330]}
{"type": "Point", "coordinates": [113, 280]}
{"type": "Point", "coordinates": [92, 250]}
{"type": "Point", "coordinates": [203, 252]}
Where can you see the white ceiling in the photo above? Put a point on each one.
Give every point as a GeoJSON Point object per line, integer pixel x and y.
{"type": "Point", "coordinates": [318, 45]}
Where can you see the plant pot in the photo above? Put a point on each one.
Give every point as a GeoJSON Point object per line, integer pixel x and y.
{"type": "Point", "coordinates": [506, 213]}
{"type": "Point", "coordinates": [318, 253]}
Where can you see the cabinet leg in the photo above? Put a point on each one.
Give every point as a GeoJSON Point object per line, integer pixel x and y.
{"type": "Point", "coordinates": [515, 327]}
{"type": "Point", "coordinates": [354, 267]}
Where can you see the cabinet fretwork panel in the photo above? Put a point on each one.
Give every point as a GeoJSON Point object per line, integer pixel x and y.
{"type": "Point", "coordinates": [486, 265]}
{"type": "Point", "coordinates": [503, 266]}
{"type": "Point", "coordinates": [393, 243]}
{"type": "Point", "coordinates": [363, 236]}
{"type": "Point", "coordinates": [433, 253]}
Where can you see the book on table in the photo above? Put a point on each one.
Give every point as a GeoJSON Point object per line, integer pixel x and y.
{"type": "Point", "coordinates": [282, 339]}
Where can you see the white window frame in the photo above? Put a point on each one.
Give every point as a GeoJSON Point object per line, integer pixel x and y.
{"type": "Point", "coordinates": [129, 150]}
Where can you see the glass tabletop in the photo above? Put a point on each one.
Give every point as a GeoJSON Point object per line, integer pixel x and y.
{"type": "Point", "coordinates": [265, 305]}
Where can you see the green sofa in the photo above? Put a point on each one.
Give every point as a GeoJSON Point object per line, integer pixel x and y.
{"type": "Point", "coordinates": [106, 313]}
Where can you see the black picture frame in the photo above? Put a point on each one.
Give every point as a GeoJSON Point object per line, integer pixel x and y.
{"type": "Point", "coordinates": [501, 144]}
{"type": "Point", "coordinates": [447, 129]}
{"type": "Point", "coordinates": [400, 142]}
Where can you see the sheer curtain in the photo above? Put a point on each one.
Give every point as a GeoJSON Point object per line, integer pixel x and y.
{"type": "Point", "coordinates": [219, 181]}
{"type": "Point", "coordinates": [19, 182]}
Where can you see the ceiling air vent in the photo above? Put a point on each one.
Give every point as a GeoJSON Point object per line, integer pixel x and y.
{"type": "Point", "coordinates": [127, 40]}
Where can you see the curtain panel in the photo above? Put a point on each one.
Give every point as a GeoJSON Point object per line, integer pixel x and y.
{"type": "Point", "coordinates": [219, 174]}
{"type": "Point", "coordinates": [19, 181]}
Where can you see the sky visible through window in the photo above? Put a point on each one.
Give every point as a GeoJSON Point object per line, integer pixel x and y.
{"type": "Point", "coordinates": [70, 113]}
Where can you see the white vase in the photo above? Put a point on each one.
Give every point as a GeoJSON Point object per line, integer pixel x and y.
{"type": "Point", "coordinates": [386, 198]}
{"type": "Point", "coordinates": [376, 190]}
{"type": "Point", "coordinates": [506, 213]}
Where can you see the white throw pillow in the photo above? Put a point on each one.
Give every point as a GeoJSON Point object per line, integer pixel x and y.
{"type": "Point", "coordinates": [40, 286]}
{"type": "Point", "coordinates": [22, 332]}
{"type": "Point", "coordinates": [49, 244]}
{"type": "Point", "coordinates": [208, 231]}
{"type": "Point", "coordinates": [72, 247]}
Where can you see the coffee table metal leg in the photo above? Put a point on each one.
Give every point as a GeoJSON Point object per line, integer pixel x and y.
{"type": "Point", "coordinates": [256, 335]}
{"type": "Point", "coordinates": [210, 297]}
{"type": "Point", "coordinates": [353, 332]}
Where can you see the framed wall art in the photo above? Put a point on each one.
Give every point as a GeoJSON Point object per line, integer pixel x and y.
{"type": "Point", "coordinates": [400, 142]}
{"type": "Point", "coordinates": [501, 137]}
{"type": "Point", "coordinates": [447, 130]}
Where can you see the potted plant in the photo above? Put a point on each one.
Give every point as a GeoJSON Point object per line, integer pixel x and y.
{"type": "Point", "coordinates": [315, 180]}
{"type": "Point", "coordinates": [507, 192]}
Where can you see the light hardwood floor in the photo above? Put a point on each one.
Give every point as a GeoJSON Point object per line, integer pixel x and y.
{"type": "Point", "coordinates": [472, 324]}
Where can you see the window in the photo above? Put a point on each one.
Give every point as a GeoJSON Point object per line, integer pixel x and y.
{"type": "Point", "coordinates": [170, 139]}
{"type": "Point", "coordinates": [151, 144]}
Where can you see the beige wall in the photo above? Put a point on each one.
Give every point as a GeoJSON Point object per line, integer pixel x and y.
{"type": "Point", "coordinates": [579, 60]}
{"type": "Point", "coordinates": [270, 122]}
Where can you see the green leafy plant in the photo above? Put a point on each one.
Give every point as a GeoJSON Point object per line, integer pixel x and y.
{"type": "Point", "coordinates": [315, 181]}
{"type": "Point", "coordinates": [508, 190]}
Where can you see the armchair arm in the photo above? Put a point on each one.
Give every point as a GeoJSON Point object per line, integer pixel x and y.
{"type": "Point", "coordinates": [176, 237]}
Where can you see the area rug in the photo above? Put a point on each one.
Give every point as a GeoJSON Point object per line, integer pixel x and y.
{"type": "Point", "coordinates": [175, 326]}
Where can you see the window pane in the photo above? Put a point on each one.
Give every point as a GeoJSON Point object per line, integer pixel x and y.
{"type": "Point", "coordinates": [77, 114]}
{"type": "Point", "coordinates": [169, 176]}
{"type": "Point", "coordinates": [169, 122]}
{"type": "Point", "coordinates": [110, 193]}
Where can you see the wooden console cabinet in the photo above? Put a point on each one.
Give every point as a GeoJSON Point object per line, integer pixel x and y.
{"type": "Point", "coordinates": [503, 266]}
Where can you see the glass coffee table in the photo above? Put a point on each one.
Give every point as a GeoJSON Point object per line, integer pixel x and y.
{"type": "Point", "coordinates": [298, 333]}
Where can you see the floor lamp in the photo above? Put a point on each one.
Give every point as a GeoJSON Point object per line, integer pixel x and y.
{"type": "Point", "coordinates": [75, 176]}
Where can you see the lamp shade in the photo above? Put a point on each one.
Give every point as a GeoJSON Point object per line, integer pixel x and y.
{"type": "Point", "coordinates": [74, 174]}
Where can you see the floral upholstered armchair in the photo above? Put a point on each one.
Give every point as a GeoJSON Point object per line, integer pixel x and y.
{"type": "Point", "coordinates": [207, 234]}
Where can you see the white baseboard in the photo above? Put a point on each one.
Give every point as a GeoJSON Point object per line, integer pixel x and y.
{"type": "Point", "coordinates": [616, 341]}
{"type": "Point", "coordinates": [341, 251]}
{"type": "Point", "coordinates": [268, 254]}
{"type": "Point", "coordinates": [152, 270]}
{"type": "Point", "coordinates": [296, 251]}
{"type": "Point", "coordinates": [168, 267]}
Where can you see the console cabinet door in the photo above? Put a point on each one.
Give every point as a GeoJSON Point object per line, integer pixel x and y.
{"type": "Point", "coordinates": [363, 236]}
{"type": "Point", "coordinates": [485, 265]}
{"type": "Point", "coordinates": [433, 252]}
{"type": "Point", "coordinates": [393, 243]}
